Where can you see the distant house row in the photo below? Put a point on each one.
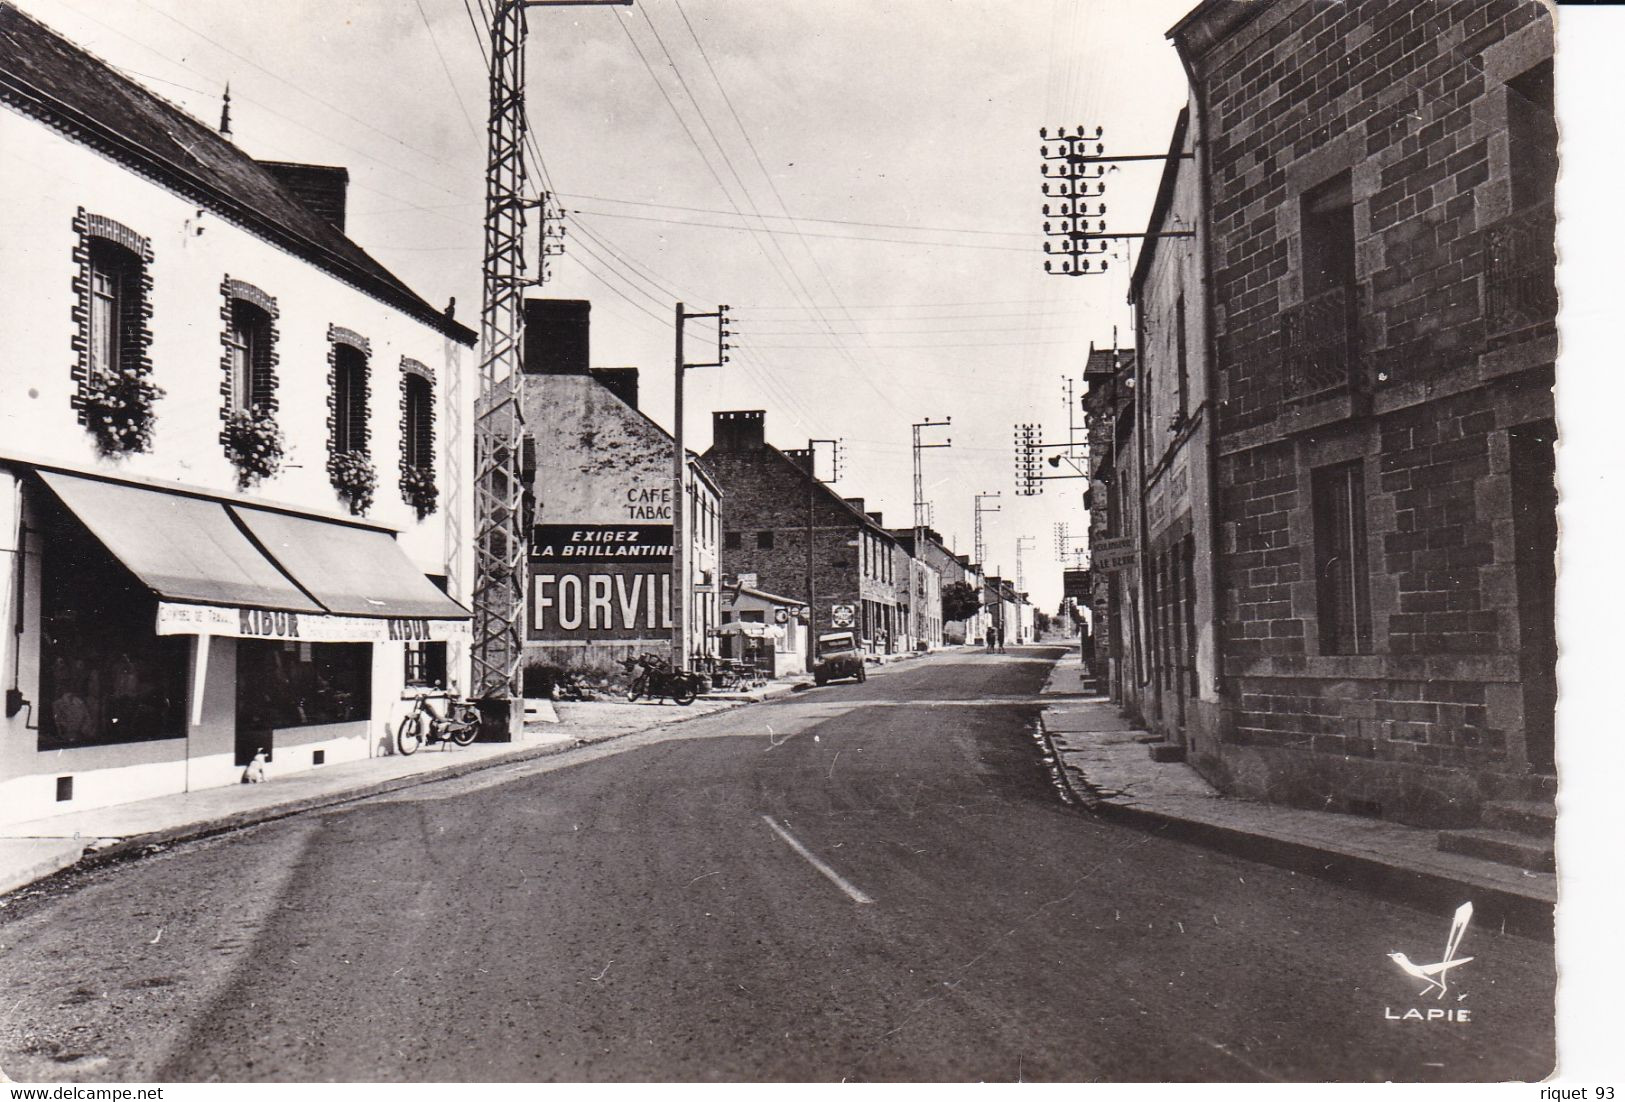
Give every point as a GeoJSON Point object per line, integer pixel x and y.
{"type": "Point", "coordinates": [774, 554]}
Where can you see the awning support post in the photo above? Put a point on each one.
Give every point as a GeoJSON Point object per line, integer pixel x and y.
{"type": "Point", "coordinates": [200, 671]}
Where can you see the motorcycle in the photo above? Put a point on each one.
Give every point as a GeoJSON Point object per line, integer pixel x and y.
{"type": "Point", "coordinates": [656, 680]}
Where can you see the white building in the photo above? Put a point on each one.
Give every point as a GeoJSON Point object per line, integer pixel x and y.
{"type": "Point", "coordinates": [175, 594]}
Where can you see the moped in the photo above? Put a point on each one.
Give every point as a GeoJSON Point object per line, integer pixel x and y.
{"type": "Point", "coordinates": [458, 723]}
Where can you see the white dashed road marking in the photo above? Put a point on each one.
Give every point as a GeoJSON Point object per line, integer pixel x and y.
{"type": "Point", "coordinates": [834, 877]}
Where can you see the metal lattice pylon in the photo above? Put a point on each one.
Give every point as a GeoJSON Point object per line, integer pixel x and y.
{"type": "Point", "coordinates": [499, 420]}
{"type": "Point", "coordinates": [499, 555]}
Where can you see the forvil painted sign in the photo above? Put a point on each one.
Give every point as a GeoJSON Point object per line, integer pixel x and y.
{"type": "Point", "coordinates": [598, 601]}
{"type": "Point", "coordinates": [599, 581]}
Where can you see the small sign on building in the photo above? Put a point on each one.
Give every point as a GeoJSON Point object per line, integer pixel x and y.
{"type": "Point", "coordinates": [842, 616]}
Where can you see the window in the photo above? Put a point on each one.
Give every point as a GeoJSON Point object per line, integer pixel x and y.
{"type": "Point", "coordinates": [114, 393]}
{"type": "Point", "coordinates": [1179, 357]}
{"type": "Point", "coordinates": [426, 664]}
{"type": "Point", "coordinates": [104, 676]}
{"type": "Point", "coordinates": [1342, 580]}
{"type": "Point", "coordinates": [291, 684]}
{"type": "Point", "coordinates": [1328, 237]}
{"type": "Point", "coordinates": [1532, 137]}
{"type": "Point", "coordinates": [349, 400]}
{"type": "Point", "coordinates": [732, 541]}
{"type": "Point", "coordinates": [115, 307]}
{"type": "Point", "coordinates": [764, 540]}
{"type": "Point", "coordinates": [417, 435]}
{"type": "Point", "coordinates": [248, 343]}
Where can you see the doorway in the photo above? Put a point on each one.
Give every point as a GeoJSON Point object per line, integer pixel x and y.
{"type": "Point", "coordinates": [1534, 530]}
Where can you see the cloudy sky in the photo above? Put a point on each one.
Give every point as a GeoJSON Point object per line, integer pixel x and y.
{"type": "Point", "coordinates": [859, 180]}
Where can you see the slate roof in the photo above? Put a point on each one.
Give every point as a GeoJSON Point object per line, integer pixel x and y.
{"type": "Point", "coordinates": [49, 78]}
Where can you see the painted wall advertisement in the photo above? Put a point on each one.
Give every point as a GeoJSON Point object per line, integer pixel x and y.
{"type": "Point", "coordinates": [600, 581]}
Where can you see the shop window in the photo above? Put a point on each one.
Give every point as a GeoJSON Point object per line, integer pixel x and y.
{"type": "Point", "coordinates": [764, 540]}
{"type": "Point", "coordinates": [349, 400]}
{"type": "Point", "coordinates": [732, 541]}
{"type": "Point", "coordinates": [292, 684]}
{"type": "Point", "coordinates": [105, 677]}
{"type": "Point", "coordinates": [1342, 579]}
{"type": "Point", "coordinates": [752, 616]}
{"type": "Point", "coordinates": [426, 664]}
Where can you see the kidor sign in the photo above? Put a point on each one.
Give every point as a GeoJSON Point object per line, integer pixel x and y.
{"type": "Point", "coordinates": [600, 581]}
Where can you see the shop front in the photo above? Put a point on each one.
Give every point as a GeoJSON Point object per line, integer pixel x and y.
{"type": "Point", "coordinates": [764, 630]}
{"type": "Point", "coordinates": [161, 639]}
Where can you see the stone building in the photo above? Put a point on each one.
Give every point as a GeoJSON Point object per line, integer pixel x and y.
{"type": "Point", "coordinates": [1175, 436]}
{"type": "Point", "coordinates": [601, 544]}
{"type": "Point", "coordinates": [232, 454]}
{"type": "Point", "coordinates": [942, 568]}
{"type": "Point", "coordinates": [772, 501]}
{"type": "Point", "coordinates": [1378, 195]}
{"type": "Point", "coordinates": [1114, 524]}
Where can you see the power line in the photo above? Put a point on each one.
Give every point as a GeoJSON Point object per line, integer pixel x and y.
{"type": "Point", "coordinates": [800, 217]}
{"type": "Point", "coordinates": [434, 40]}
{"type": "Point", "coordinates": [797, 288]}
{"type": "Point", "coordinates": [797, 232]}
{"type": "Point", "coordinates": [772, 185]}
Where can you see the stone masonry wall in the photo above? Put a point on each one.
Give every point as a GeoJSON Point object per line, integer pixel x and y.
{"type": "Point", "coordinates": [1411, 100]}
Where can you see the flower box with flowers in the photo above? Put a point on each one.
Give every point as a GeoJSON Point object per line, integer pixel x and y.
{"type": "Point", "coordinates": [354, 478]}
{"type": "Point", "coordinates": [118, 410]}
{"type": "Point", "coordinates": [254, 444]}
{"type": "Point", "coordinates": [418, 488]}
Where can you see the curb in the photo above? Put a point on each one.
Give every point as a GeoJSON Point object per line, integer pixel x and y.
{"type": "Point", "coordinates": [138, 844]}
{"type": "Point", "coordinates": [1527, 915]}
{"type": "Point", "coordinates": [46, 866]}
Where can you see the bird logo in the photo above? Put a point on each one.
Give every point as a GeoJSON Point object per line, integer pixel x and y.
{"type": "Point", "coordinates": [1435, 975]}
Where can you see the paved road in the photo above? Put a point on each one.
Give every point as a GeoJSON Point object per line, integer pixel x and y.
{"type": "Point", "coordinates": [868, 882]}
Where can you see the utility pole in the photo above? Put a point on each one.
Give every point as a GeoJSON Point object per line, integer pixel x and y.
{"type": "Point", "coordinates": [499, 549]}
{"type": "Point", "coordinates": [812, 594]}
{"type": "Point", "coordinates": [921, 507]}
{"type": "Point", "coordinates": [981, 545]}
{"type": "Point", "coordinates": [679, 481]}
{"type": "Point", "coordinates": [1022, 543]}
{"type": "Point", "coordinates": [1029, 438]}
{"type": "Point", "coordinates": [1070, 168]}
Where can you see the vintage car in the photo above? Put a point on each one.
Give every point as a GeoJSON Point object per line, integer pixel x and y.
{"type": "Point", "coordinates": [838, 656]}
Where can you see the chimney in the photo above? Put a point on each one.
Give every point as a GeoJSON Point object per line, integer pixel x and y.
{"type": "Point", "coordinates": [876, 518]}
{"type": "Point", "coordinates": [801, 457]}
{"type": "Point", "coordinates": [738, 430]}
{"type": "Point", "coordinates": [855, 502]}
{"type": "Point", "coordinates": [619, 381]}
{"type": "Point", "coordinates": [556, 336]}
{"type": "Point", "coordinates": [321, 188]}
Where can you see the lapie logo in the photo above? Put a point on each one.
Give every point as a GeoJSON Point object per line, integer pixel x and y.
{"type": "Point", "coordinates": [1437, 975]}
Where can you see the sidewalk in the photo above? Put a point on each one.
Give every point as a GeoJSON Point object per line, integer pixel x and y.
{"type": "Point", "coordinates": [1104, 762]}
{"type": "Point", "coordinates": [33, 850]}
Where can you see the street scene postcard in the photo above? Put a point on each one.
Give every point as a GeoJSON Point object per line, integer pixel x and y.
{"type": "Point", "coordinates": [463, 462]}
